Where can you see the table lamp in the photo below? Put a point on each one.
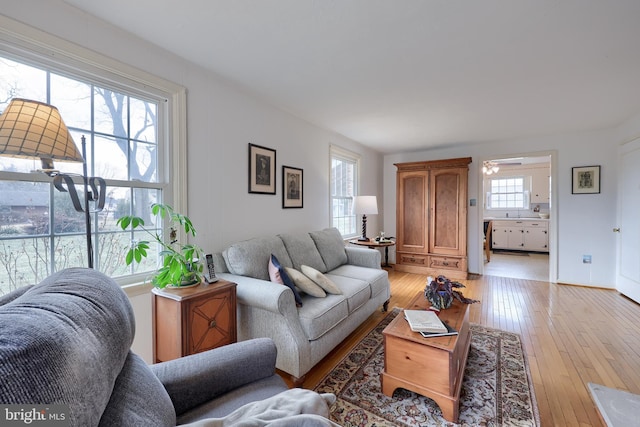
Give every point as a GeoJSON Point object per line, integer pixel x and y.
{"type": "Point", "coordinates": [365, 205]}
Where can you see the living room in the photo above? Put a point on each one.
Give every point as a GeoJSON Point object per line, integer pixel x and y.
{"type": "Point", "coordinates": [223, 117]}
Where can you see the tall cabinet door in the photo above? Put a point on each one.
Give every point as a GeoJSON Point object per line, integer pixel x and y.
{"type": "Point", "coordinates": [412, 226]}
{"type": "Point", "coordinates": [448, 210]}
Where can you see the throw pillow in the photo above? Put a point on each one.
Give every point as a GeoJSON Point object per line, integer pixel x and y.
{"type": "Point", "coordinates": [330, 244]}
{"type": "Point", "coordinates": [278, 274]}
{"type": "Point", "coordinates": [305, 284]}
{"type": "Point", "coordinates": [320, 279]}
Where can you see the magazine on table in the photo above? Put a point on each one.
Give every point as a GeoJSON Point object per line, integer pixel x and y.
{"type": "Point", "coordinates": [450, 331]}
{"type": "Point", "coordinates": [424, 321]}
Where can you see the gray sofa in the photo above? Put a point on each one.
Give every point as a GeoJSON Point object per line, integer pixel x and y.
{"type": "Point", "coordinates": [66, 341]}
{"type": "Point", "coordinates": [303, 335]}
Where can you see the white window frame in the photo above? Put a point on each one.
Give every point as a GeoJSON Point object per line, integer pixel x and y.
{"type": "Point", "coordinates": [34, 47]}
{"type": "Point", "coordinates": [525, 194]}
{"type": "Point", "coordinates": [349, 156]}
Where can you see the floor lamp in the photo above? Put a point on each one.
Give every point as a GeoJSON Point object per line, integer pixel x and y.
{"type": "Point", "coordinates": [34, 129]}
{"type": "Point", "coordinates": [365, 205]}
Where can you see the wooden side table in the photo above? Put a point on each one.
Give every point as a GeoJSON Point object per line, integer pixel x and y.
{"type": "Point", "coordinates": [192, 320]}
{"type": "Point", "coordinates": [375, 245]}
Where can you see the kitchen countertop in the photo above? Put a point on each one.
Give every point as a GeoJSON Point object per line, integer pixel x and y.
{"type": "Point", "coordinates": [532, 218]}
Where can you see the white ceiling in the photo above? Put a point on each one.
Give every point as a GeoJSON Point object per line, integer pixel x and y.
{"type": "Point", "coordinates": [400, 75]}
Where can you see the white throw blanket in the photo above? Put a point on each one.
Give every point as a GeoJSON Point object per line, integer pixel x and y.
{"type": "Point", "coordinates": [294, 407]}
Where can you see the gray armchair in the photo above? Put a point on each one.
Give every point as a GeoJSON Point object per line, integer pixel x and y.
{"type": "Point", "coordinates": [67, 341]}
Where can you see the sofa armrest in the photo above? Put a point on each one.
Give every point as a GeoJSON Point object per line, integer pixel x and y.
{"type": "Point", "coordinates": [262, 294]}
{"type": "Point", "coordinates": [267, 309]}
{"type": "Point", "coordinates": [364, 257]}
{"type": "Point", "coordinates": [199, 378]}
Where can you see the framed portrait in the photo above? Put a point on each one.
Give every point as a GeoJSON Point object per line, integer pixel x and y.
{"type": "Point", "coordinates": [585, 180]}
{"type": "Point", "coordinates": [292, 187]}
{"type": "Point", "coordinates": [262, 170]}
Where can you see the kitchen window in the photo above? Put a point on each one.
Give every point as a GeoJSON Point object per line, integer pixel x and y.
{"type": "Point", "coordinates": [507, 193]}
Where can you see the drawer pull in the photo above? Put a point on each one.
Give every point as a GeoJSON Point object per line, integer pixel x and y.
{"type": "Point", "coordinates": [445, 262]}
{"type": "Point", "coordinates": [212, 324]}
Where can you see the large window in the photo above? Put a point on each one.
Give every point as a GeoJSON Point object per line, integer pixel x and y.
{"type": "Point", "coordinates": [507, 193]}
{"type": "Point", "coordinates": [344, 186]}
{"type": "Point", "coordinates": [126, 132]}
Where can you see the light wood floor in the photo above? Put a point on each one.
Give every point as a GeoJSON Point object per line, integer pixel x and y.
{"type": "Point", "coordinates": [572, 336]}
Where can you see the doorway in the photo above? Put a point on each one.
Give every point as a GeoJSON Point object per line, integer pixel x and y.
{"type": "Point", "coordinates": [518, 202]}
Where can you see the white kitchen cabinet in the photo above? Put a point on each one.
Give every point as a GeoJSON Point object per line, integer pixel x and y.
{"type": "Point", "coordinates": [536, 236]}
{"type": "Point", "coordinates": [507, 235]}
{"type": "Point", "coordinates": [540, 185]}
{"type": "Point", "coordinates": [521, 235]}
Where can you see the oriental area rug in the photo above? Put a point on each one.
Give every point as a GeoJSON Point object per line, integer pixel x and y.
{"type": "Point", "coordinates": [496, 389]}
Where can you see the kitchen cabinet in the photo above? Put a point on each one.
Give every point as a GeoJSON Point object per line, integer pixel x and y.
{"type": "Point", "coordinates": [521, 234]}
{"type": "Point", "coordinates": [540, 185]}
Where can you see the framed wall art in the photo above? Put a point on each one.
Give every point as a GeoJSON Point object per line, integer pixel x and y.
{"type": "Point", "coordinates": [585, 180]}
{"type": "Point", "coordinates": [262, 170]}
{"type": "Point", "coordinates": [292, 187]}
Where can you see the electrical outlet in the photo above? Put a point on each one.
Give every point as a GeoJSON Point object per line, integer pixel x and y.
{"type": "Point", "coordinates": [586, 259]}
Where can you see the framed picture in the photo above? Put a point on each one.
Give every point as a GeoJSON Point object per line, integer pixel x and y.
{"type": "Point", "coordinates": [585, 180]}
{"type": "Point", "coordinates": [292, 187]}
{"type": "Point", "coordinates": [262, 170]}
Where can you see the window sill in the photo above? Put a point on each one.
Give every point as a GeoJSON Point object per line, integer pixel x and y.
{"type": "Point", "coordinates": [137, 289]}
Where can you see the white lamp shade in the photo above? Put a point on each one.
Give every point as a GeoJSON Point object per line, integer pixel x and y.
{"type": "Point", "coordinates": [35, 129]}
{"type": "Point", "coordinates": [365, 205]}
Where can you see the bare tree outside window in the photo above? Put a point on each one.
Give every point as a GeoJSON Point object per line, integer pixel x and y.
{"type": "Point", "coordinates": [40, 232]}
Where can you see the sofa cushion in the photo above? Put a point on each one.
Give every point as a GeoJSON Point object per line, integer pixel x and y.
{"type": "Point", "coordinates": [378, 279]}
{"type": "Point", "coordinates": [330, 246]}
{"type": "Point", "coordinates": [305, 284]}
{"type": "Point", "coordinates": [302, 250]}
{"type": "Point", "coordinates": [320, 315]}
{"type": "Point", "coordinates": [356, 291]}
{"type": "Point", "coordinates": [278, 274]}
{"type": "Point", "coordinates": [320, 279]}
{"type": "Point", "coordinates": [251, 257]}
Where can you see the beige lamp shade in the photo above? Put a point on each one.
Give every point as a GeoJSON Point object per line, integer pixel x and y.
{"type": "Point", "coordinates": [365, 205]}
{"type": "Point", "coordinates": [35, 129]}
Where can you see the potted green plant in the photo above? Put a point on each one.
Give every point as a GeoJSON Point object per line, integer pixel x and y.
{"type": "Point", "coordinates": [180, 262]}
{"type": "Point", "coordinates": [440, 292]}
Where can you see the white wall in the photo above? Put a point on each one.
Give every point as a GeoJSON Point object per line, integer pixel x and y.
{"type": "Point", "coordinates": [583, 222]}
{"type": "Point", "coordinates": [222, 120]}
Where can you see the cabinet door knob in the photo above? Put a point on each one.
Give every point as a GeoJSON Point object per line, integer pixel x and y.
{"type": "Point", "coordinates": [212, 324]}
{"type": "Point", "coordinates": [616, 230]}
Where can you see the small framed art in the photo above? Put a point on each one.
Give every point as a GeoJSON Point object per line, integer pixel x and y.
{"type": "Point", "coordinates": [585, 180]}
{"type": "Point", "coordinates": [292, 187]}
{"type": "Point", "coordinates": [262, 170]}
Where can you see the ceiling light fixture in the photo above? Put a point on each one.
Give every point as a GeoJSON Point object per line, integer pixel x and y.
{"type": "Point", "coordinates": [489, 167]}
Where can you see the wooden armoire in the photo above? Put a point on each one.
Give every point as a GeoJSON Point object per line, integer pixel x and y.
{"type": "Point", "coordinates": [431, 217]}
